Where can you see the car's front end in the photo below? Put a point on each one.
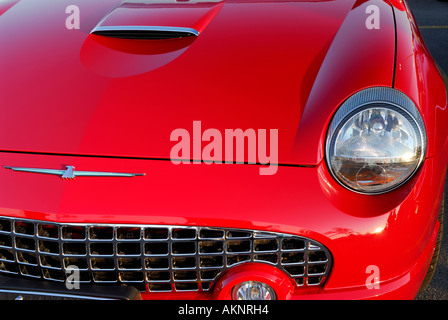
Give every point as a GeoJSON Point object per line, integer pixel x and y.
{"type": "Point", "coordinates": [93, 197]}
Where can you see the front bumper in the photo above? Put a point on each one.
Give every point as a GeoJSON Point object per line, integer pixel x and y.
{"type": "Point", "coordinates": [395, 232]}
{"type": "Point", "coordinates": [24, 289]}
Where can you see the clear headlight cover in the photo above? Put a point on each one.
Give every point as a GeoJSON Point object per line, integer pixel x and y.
{"type": "Point", "coordinates": [376, 141]}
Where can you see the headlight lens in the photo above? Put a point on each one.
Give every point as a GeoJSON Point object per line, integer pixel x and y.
{"type": "Point", "coordinates": [376, 141]}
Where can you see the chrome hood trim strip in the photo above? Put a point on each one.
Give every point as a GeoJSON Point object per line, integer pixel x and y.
{"type": "Point", "coordinates": [70, 173]}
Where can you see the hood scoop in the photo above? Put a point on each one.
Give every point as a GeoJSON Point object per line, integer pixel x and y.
{"type": "Point", "coordinates": [145, 32]}
{"type": "Point", "coordinates": [139, 37]}
{"type": "Point", "coordinates": [158, 19]}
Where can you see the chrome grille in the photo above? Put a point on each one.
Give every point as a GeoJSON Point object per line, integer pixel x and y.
{"type": "Point", "coordinates": [152, 258]}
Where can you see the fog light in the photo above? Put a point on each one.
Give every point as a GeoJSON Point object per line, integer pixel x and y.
{"type": "Point", "coordinates": [253, 290]}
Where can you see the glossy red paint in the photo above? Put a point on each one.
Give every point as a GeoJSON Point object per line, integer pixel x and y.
{"type": "Point", "coordinates": [70, 98]}
{"type": "Point", "coordinates": [368, 228]}
{"type": "Point", "coordinates": [357, 58]}
{"type": "Point", "coordinates": [87, 90]}
{"type": "Point", "coordinates": [6, 5]}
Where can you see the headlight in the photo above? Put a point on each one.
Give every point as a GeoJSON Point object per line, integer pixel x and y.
{"type": "Point", "coordinates": [376, 141]}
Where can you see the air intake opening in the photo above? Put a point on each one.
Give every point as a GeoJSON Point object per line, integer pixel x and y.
{"type": "Point", "coordinates": [154, 258]}
{"type": "Point", "coordinates": [145, 33]}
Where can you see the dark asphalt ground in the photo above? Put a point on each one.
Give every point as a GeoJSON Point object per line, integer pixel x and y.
{"type": "Point", "coordinates": [432, 18]}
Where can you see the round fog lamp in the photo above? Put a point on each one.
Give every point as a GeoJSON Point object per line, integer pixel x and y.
{"type": "Point", "coordinates": [253, 290]}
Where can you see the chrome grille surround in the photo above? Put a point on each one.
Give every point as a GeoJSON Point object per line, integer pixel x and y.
{"type": "Point", "coordinates": [154, 258]}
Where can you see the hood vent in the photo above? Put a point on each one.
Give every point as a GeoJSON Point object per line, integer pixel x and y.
{"type": "Point", "coordinates": [158, 19]}
{"type": "Point", "coordinates": [144, 32]}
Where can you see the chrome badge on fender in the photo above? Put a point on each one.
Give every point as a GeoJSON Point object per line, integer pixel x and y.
{"type": "Point", "coordinates": [70, 173]}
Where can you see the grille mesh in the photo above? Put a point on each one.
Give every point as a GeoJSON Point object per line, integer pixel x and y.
{"type": "Point", "coordinates": [152, 258]}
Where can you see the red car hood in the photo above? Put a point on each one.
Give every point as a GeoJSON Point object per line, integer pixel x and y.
{"type": "Point", "coordinates": [282, 65]}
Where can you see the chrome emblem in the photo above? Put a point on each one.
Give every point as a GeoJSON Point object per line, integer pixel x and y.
{"type": "Point", "coordinates": [70, 173]}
